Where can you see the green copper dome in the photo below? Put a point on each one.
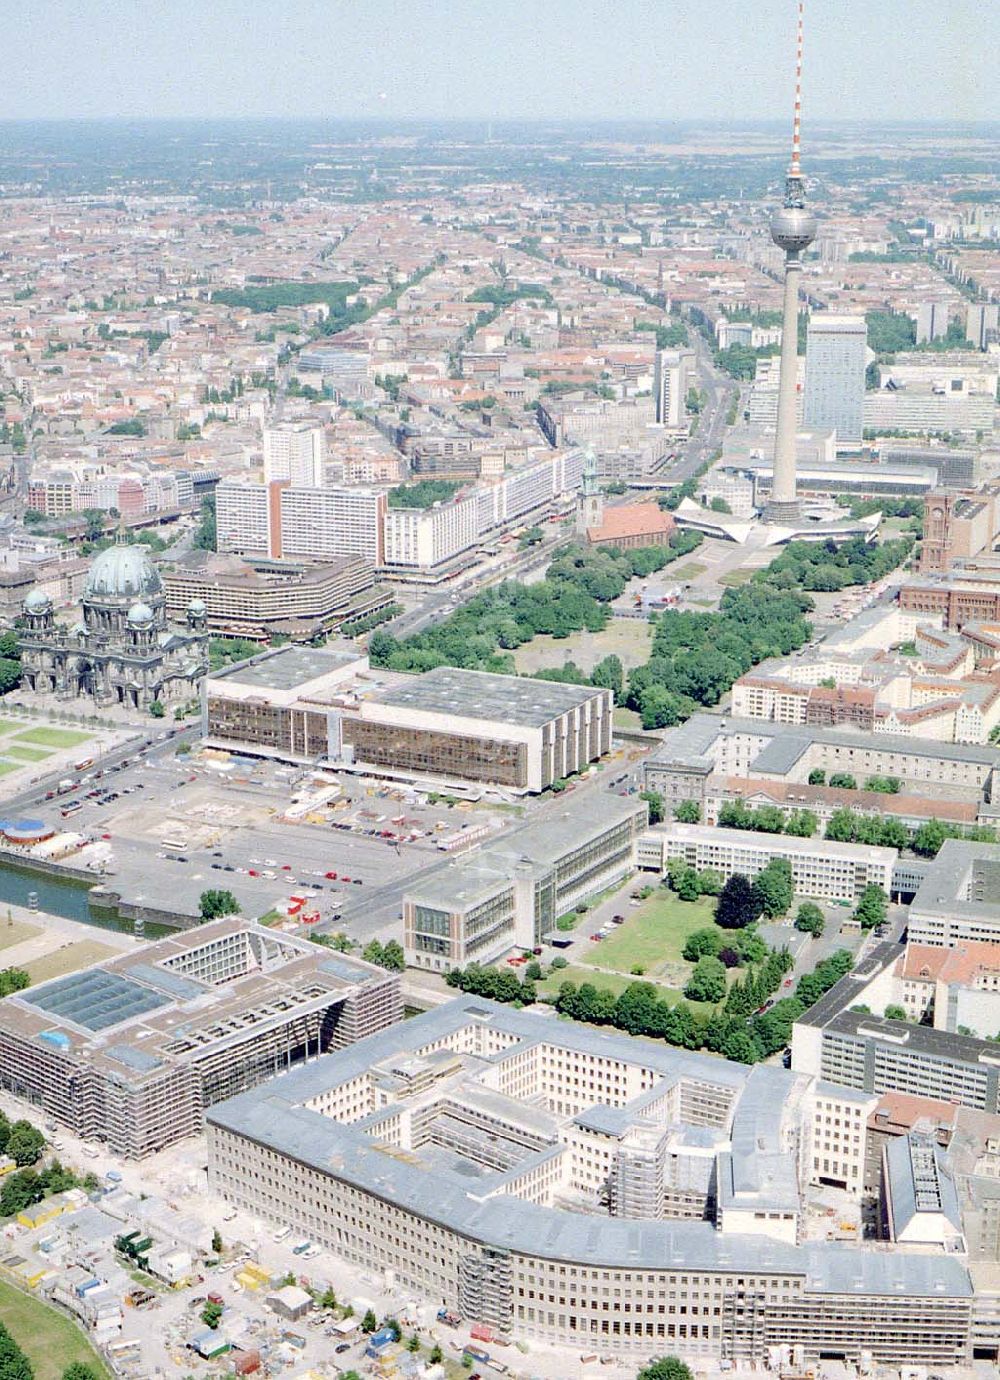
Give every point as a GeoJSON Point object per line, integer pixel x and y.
{"type": "Point", "coordinates": [122, 572]}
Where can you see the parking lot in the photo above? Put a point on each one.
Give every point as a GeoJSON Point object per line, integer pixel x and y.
{"type": "Point", "coordinates": [177, 824]}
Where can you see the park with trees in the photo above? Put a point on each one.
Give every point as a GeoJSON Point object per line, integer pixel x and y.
{"type": "Point", "coordinates": [695, 656]}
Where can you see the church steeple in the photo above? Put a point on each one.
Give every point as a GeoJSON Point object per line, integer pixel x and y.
{"type": "Point", "coordinates": [590, 506]}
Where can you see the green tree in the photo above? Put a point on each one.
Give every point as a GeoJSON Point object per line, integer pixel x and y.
{"type": "Point", "coordinates": [739, 1046]}
{"type": "Point", "coordinates": [801, 823]}
{"type": "Point", "coordinates": [14, 1365]}
{"type": "Point", "coordinates": [13, 980]}
{"type": "Point", "coordinates": [393, 957]}
{"type": "Point", "coordinates": [737, 905]}
{"type": "Point", "coordinates": [214, 903]}
{"type": "Point", "coordinates": [205, 536]}
{"type": "Point", "coordinates": [436, 1356]}
{"type": "Point", "coordinates": [749, 946]}
{"type": "Point", "coordinates": [157, 709]}
{"type": "Point", "coordinates": [710, 882]}
{"type": "Point", "coordinates": [609, 674]}
{"type": "Point", "coordinates": [894, 1012]}
{"type": "Point", "coordinates": [655, 802]}
{"type": "Point", "coordinates": [25, 1143]}
{"type": "Point", "coordinates": [79, 1370]}
{"type": "Point", "coordinates": [844, 781]}
{"type": "Point", "coordinates": [884, 785]}
{"type": "Point", "coordinates": [772, 888]}
{"type": "Point", "coordinates": [687, 812]}
{"type": "Point", "coordinates": [666, 1368]}
{"type": "Point", "coordinates": [369, 1323]}
{"type": "Point", "coordinates": [10, 674]}
{"type": "Point", "coordinates": [373, 952]}
{"type": "Point", "coordinates": [701, 944]}
{"type": "Point", "coordinates": [817, 777]}
{"type": "Point", "coordinates": [20, 1190]}
{"type": "Point", "coordinates": [809, 919]}
{"type": "Point", "coordinates": [216, 1242]}
{"type": "Point", "coordinates": [707, 982]}
{"type": "Point", "coordinates": [93, 523]}
{"type": "Point", "coordinates": [211, 1314]}
{"type": "Point", "coordinates": [929, 837]}
{"type": "Point", "coordinates": [872, 907]}
{"type": "Point", "coordinates": [688, 887]}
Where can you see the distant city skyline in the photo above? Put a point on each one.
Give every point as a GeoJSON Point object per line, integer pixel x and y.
{"type": "Point", "coordinates": [567, 59]}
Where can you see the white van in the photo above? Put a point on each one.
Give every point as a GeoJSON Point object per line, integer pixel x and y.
{"type": "Point", "coordinates": [281, 1233]}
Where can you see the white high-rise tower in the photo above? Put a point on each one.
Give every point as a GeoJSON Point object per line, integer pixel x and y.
{"type": "Point", "coordinates": [296, 452]}
{"type": "Point", "coordinates": [793, 229]}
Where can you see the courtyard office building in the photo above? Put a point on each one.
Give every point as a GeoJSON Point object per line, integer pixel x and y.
{"type": "Point", "coordinates": [451, 1151]}
{"type": "Point", "coordinates": [132, 1051]}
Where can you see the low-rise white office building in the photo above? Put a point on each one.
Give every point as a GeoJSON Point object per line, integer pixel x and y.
{"type": "Point", "coordinates": [821, 868]}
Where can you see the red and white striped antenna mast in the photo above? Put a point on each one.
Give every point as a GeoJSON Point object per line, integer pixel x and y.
{"type": "Point", "coordinates": [794, 191]}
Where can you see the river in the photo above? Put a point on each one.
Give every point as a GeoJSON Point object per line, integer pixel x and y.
{"type": "Point", "coordinates": [66, 898]}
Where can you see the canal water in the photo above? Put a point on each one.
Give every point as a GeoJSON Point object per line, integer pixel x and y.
{"type": "Point", "coordinates": [69, 899]}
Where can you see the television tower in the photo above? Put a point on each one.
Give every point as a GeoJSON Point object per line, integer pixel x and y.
{"type": "Point", "coordinates": [793, 229]}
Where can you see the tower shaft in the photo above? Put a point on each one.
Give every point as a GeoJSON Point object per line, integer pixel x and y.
{"type": "Point", "coordinates": [793, 230]}
{"type": "Point", "coordinates": [783, 506]}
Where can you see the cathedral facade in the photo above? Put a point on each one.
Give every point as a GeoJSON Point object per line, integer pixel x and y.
{"type": "Point", "coordinates": [122, 651]}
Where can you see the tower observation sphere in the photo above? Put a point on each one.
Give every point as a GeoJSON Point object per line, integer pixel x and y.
{"type": "Point", "coordinates": [793, 229]}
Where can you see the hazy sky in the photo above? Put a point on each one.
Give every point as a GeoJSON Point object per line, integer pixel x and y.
{"type": "Point", "coordinates": [702, 59]}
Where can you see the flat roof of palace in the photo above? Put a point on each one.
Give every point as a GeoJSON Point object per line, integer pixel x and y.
{"type": "Point", "coordinates": [289, 667]}
{"type": "Point", "coordinates": [274, 1115]}
{"type": "Point", "coordinates": [480, 695]}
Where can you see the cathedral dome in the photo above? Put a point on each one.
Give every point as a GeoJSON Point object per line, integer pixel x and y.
{"type": "Point", "coordinates": [37, 601]}
{"type": "Point", "coordinates": [122, 572]}
{"type": "Point", "coordinates": [139, 615]}
{"type": "Point", "coordinates": [196, 607]}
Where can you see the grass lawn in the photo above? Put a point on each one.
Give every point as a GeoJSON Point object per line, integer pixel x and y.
{"type": "Point", "coordinates": [69, 959]}
{"type": "Point", "coordinates": [690, 571]}
{"type": "Point", "coordinates": [628, 638]}
{"type": "Point", "coordinates": [50, 1340]}
{"type": "Point", "coordinates": [625, 718]}
{"type": "Point", "coordinates": [654, 933]}
{"type": "Point", "coordinates": [26, 754]}
{"type": "Point", "coordinates": [5, 767]}
{"type": "Point", "coordinates": [611, 982]}
{"type": "Point", "coordinates": [736, 577]}
{"type": "Point", "coordinates": [8, 725]}
{"type": "Point", "coordinates": [53, 737]}
{"type": "Point", "coordinates": [16, 933]}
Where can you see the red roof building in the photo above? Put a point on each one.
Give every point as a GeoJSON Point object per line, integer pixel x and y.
{"type": "Point", "coordinates": [631, 525]}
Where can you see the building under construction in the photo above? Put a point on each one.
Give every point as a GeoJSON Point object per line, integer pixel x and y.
{"type": "Point", "coordinates": [131, 1051]}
